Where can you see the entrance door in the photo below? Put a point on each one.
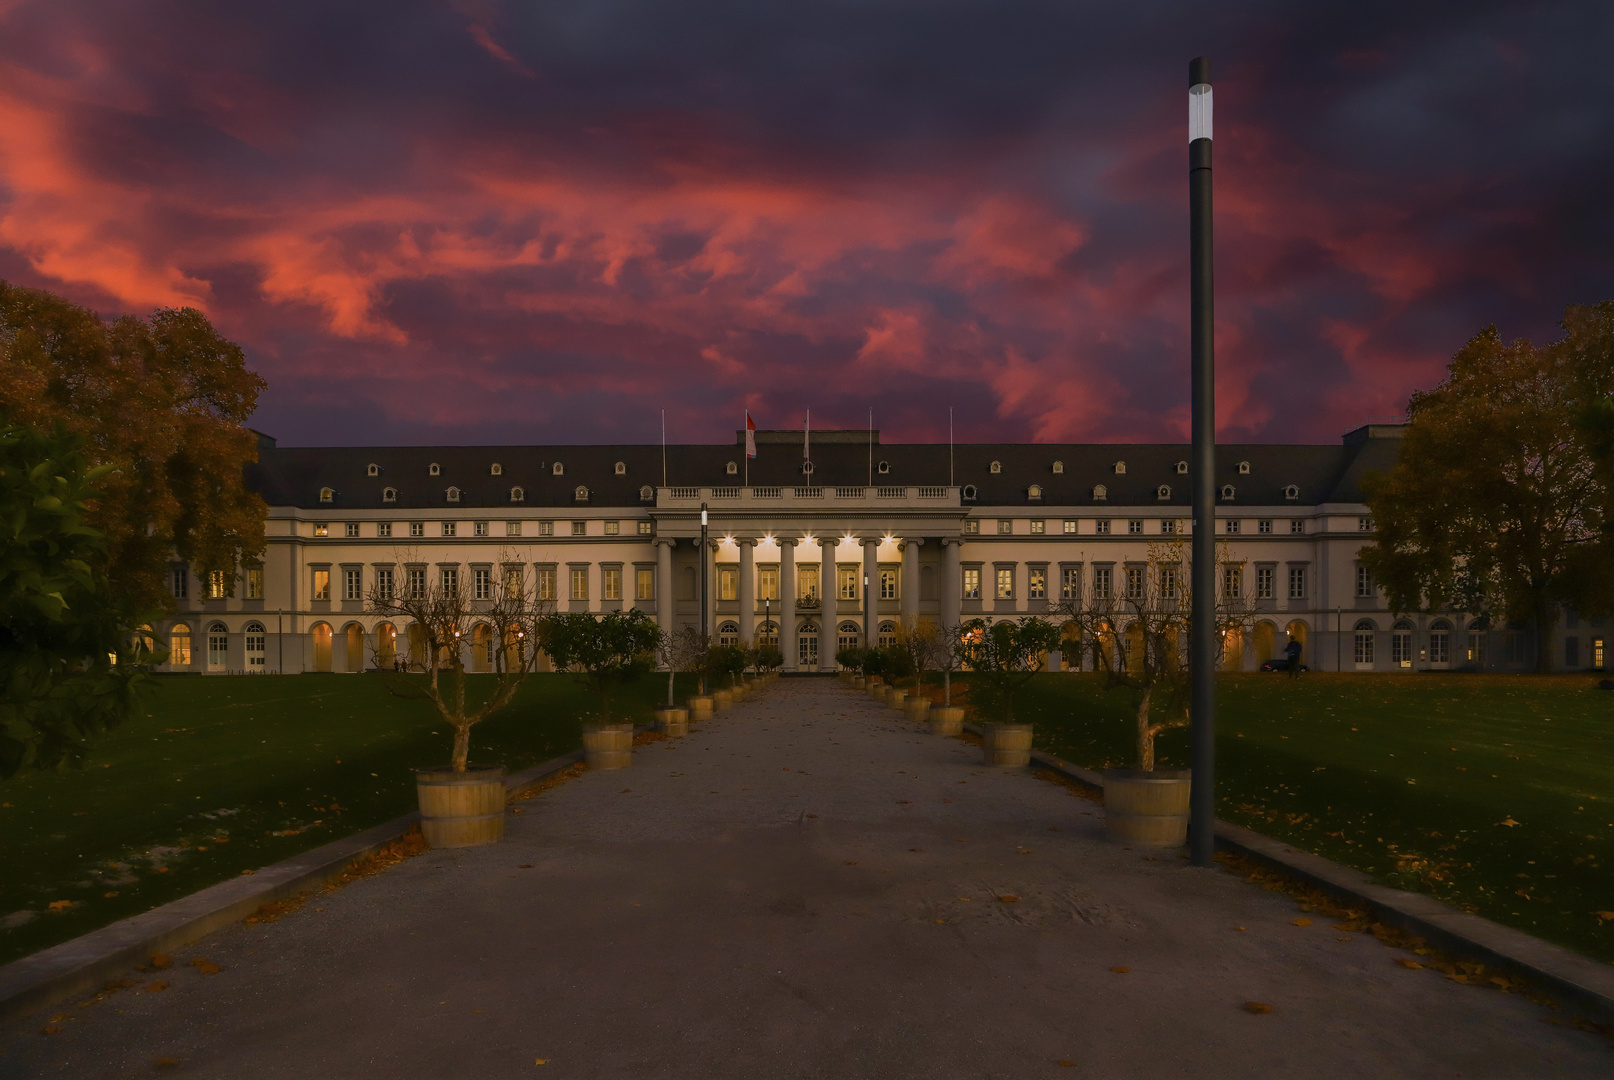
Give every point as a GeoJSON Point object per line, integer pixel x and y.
{"type": "Point", "coordinates": [218, 647]}
{"type": "Point", "coordinates": [256, 647]}
{"type": "Point", "coordinates": [807, 652]}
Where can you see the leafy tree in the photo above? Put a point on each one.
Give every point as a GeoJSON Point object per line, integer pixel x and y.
{"type": "Point", "coordinates": [446, 618]}
{"type": "Point", "coordinates": [1587, 351]}
{"type": "Point", "coordinates": [1492, 503]}
{"type": "Point", "coordinates": [922, 646]}
{"type": "Point", "coordinates": [1004, 656]}
{"type": "Point", "coordinates": [852, 658]}
{"type": "Point", "coordinates": [70, 659]}
{"type": "Point", "coordinates": [608, 651]}
{"type": "Point", "coordinates": [725, 660]}
{"type": "Point", "coordinates": [166, 400]}
{"type": "Point", "coordinates": [766, 658]}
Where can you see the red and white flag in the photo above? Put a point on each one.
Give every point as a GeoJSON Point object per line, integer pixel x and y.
{"type": "Point", "coordinates": [750, 435]}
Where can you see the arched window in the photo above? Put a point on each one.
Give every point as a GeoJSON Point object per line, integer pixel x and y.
{"type": "Point", "coordinates": [1059, 467]}
{"type": "Point", "coordinates": [1244, 468]}
{"type": "Point", "coordinates": [321, 635]}
{"type": "Point", "coordinates": [622, 468]}
{"type": "Point", "coordinates": [1401, 644]}
{"type": "Point", "coordinates": [580, 494]}
{"type": "Point", "coordinates": [647, 493]}
{"type": "Point", "coordinates": [434, 469]}
{"type": "Point", "coordinates": [1227, 492]}
{"type": "Point", "coordinates": [768, 634]}
{"type": "Point", "coordinates": [728, 633]}
{"type": "Point", "coordinates": [1363, 637]}
{"type": "Point", "coordinates": [1291, 492]}
{"type": "Point", "coordinates": [389, 494]}
{"type": "Point", "coordinates": [969, 491]}
{"type": "Point", "coordinates": [995, 467]}
{"type": "Point", "coordinates": [1163, 492]}
{"type": "Point", "coordinates": [218, 647]}
{"type": "Point", "coordinates": [887, 635]}
{"type": "Point", "coordinates": [807, 646]}
{"type": "Point", "coordinates": [517, 495]}
{"type": "Point", "coordinates": [883, 468]}
{"type": "Point", "coordinates": [848, 636]}
{"type": "Point", "coordinates": [732, 469]}
{"type": "Point", "coordinates": [927, 583]}
{"type": "Point", "coordinates": [179, 646]}
{"type": "Point", "coordinates": [481, 647]}
{"type": "Point", "coordinates": [495, 469]}
{"type": "Point", "coordinates": [326, 494]}
{"type": "Point", "coordinates": [1100, 493]}
{"type": "Point", "coordinates": [372, 469]}
{"type": "Point", "coordinates": [1034, 491]}
{"type": "Point", "coordinates": [1120, 468]}
{"type": "Point", "coordinates": [353, 647]}
{"type": "Point", "coordinates": [1440, 643]}
{"type": "Point", "coordinates": [256, 641]}
{"type": "Point", "coordinates": [1182, 468]}
{"type": "Point", "coordinates": [558, 469]}
{"type": "Point", "coordinates": [453, 494]}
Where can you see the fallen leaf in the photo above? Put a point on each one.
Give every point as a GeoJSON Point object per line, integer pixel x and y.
{"type": "Point", "coordinates": [108, 896]}
{"type": "Point", "coordinates": [50, 1029]}
{"type": "Point", "coordinates": [1509, 822]}
{"type": "Point", "coordinates": [1410, 965]}
{"type": "Point", "coordinates": [1063, 1064]}
{"type": "Point", "coordinates": [156, 987]}
{"type": "Point", "coordinates": [918, 849]}
{"type": "Point", "coordinates": [166, 1063]}
{"type": "Point", "coordinates": [1604, 916]}
{"type": "Point", "coordinates": [60, 905]}
{"type": "Point", "coordinates": [206, 967]}
{"type": "Point", "coordinates": [525, 866]}
{"type": "Point", "coordinates": [812, 815]}
{"type": "Point", "coordinates": [160, 961]}
{"type": "Point", "coordinates": [1007, 899]}
{"type": "Point", "coordinates": [244, 872]}
{"type": "Point", "coordinates": [164, 870]}
{"type": "Point", "coordinates": [1120, 969]}
{"type": "Point", "coordinates": [851, 862]}
{"type": "Point", "coordinates": [1257, 1007]}
{"type": "Point", "coordinates": [1301, 922]}
{"type": "Point", "coordinates": [1238, 928]}
{"type": "Point", "coordinates": [624, 791]}
{"type": "Point", "coordinates": [540, 1061]}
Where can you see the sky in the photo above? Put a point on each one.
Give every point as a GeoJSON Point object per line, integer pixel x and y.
{"type": "Point", "coordinates": [475, 222]}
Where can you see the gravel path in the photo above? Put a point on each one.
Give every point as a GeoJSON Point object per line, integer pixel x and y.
{"type": "Point", "coordinates": [806, 886]}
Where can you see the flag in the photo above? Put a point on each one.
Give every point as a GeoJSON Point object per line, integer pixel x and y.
{"type": "Point", "coordinates": [750, 435]}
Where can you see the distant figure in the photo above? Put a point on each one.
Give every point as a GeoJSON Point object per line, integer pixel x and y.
{"type": "Point", "coordinates": [1292, 651]}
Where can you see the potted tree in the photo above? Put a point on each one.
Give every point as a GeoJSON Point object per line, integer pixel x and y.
{"type": "Point", "coordinates": [850, 661]}
{"type": "Point", "coordinates": [1005, 656]}
{"type": "Point", "coordinates": [680, 651]}
{"type": "Point", "coordinates": [898, 666]}
{"type": "Point", "coordinates": [724, 663]}
{"type": "Point", "coordinates": [952, 647]}
{"type": "Point", "coordinates": [921, 643]}
{"type": "Point", "coordinates": [607, 652]}
{"type": "Point", "coordinates": [1138, 640]}
{"type": "Point", "coordinates": [463, 804]}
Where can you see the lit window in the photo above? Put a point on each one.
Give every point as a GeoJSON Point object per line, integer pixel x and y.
{"type": "Point", "coordinates": [579, 583]}
{"type": "Point", "coordinates": [179, 646]}
{"type": "Point", "coordinates": [1070, 526]}
{"type": "Point", "coordinates": [972, 583]}
{"type": "Point", "coordinates": [611, 583]}
{"type": "Point", "coordinates": [646, 528]}
{"type": "Point", "coordinates": [1070, 583]}
{"type": "Point", "coordinates": [1005, 584]}
{"type": "Point", "coordinates": [326, 494]}
{"type": "Point", "coordinates": [768, 583]}
{"type": "Point", "coordinates": [322, 530]}
{"type": "Point", "coordinates": [544, 582]}
{"type": "Point", "coordinates": [846, 581]}
{"type": "Point", "coordinates": [807, 582]}
{"type": "Point", "coordinates": [1005, 526]}
{"type": "Point", "coordinates": [254, 583]}
{"type": "Point", "coordinates": [1034, 491]}
{"type": "Point", "coordinates": [728, 583]}
{"type": "Point", "coordinates": [215, 584]}
{"type": "Point", "coordinates": [322, 585]}
{"type": "Point", "coordinates": [972, 525]}
{"type": "Point", "coordinates": [1059, 466]}
{"type": "Point", "coordinates": [613, 528]}
{"type": "Point", "coordinates": [1038, 526]}
{"type": "Point", "coordinates": [644, 584]}
{"type": "Point", "coordinates": [1037, 584]}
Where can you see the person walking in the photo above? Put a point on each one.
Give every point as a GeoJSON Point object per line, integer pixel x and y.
{"type": "Point", "coordinates": [1292, 651]}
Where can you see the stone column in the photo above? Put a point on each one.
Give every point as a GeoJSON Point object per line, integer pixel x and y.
{"type": "Point", "coordinates": [952, 591]}
{"type": "Point", "coordinates": [826, 604]}
{"type": "Point", "coordinates": [910, 581]}
{"type": "Point", "coordinates": [665, 603]}
{"type": "Point", "coordinates": [748, 593]}
{"type": "Point", "coordinates": [787, 602]}
{"type": "Point", "coordinates": [871, 589]}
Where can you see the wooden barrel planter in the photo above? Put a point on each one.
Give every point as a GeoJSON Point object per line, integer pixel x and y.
{"type": "Point", "coordinates": [1147, 808]}
{"type": "Point", "coordinates": [461, 809]}
{"type": "Point", "coordinates": [673, 720]}
{"type": "Point", "coordinates": [895, 697]}
{"type": "Point", "coordinates": [1008, 745]}
{"type": "Point", "coordinates": [722, 699]}
{"type": "Point", "coordinates": [947, 720]}
{"type": "Point", "coordinates": [700, 707]}
{"type": "Point", "coordinates": [916, 709]}
{"type": "Point", "coordinates": [608, 746]}
{"type": "Point", "coordinates": [857, 682]}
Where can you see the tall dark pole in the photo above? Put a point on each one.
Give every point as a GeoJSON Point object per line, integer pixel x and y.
{"type": "Point", "coordinates": [1202, 323]}
{"type": "Point", "coordinates": [706, 607]}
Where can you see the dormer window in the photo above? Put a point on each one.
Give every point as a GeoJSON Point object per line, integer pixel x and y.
{"type": "Point", "coordinates": [372, 469]}
{"type": "Point", "coordinates": [1059, 468]}
{"type": "Point", "coordinates": [1227, 492]}
{"type": "Point", "coordinates": [558, 469]}
{"type": "Point", "coordinates": [495, 469]}
{"type": "Point", "coordinates": [517, 495]}
{"type": "Point", "coordinates": [389, 494]}
{"type": "Point", "coordinates": [968, 492]}
{"type": "Point", "coordinates": [732, 469]}
{"type": "Point", "coordinates": [621, 468]}
{"type": "Point", "coordinates": [1163, 492]}
{"type": "Point", "coordinates": [453, 494]}
{"type": "Point", "coordinates": [884, 467]}
{"type": "Point", "coordinates": [1244, 468]}
{"type": "Point", "coordinates": [1034, 491]}
{"type": "Point", "coordinates": [1100, 493]}
{"type": "Point", "coordinates": [995, 467]}
{"type": "Point", "coordinates": [1291, 492]}
{"type": "Point", "coordinates": [434, 469]}
{"type": "Point", "coordinates": [580, 494]}
{"type": "Point", "coordinates": [1120, 468]}
{"type": "Point", "coordinates": [326, 494]}
{"type": "Point", "coordinates": [1182, 468]}
{"type": "Point", "coordinates": [647, 494]}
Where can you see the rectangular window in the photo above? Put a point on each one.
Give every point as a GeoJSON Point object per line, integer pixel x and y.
{"type": "Point", "coordinates": [322, 585]}
{"type": "Point", "coordinates": [972, 583]}
{"type": "Point", "coordinates": [613, 528]}
{"type": "Point", "coordinates": [1234, 526]}
{"type": "Point", "coordinates": [1101, 582]}
{"type": "Point", "coordinates": [352, 529]}
{"type": "Point", "coordinates": [417, 528]}
{"type": "Point", "coordinates": [1297, 583]}
{"type": "Point", "coordinates": [546, 528]}
{"type": "Point", "coordinates": [1263, 526]}
{"type": "Point", "coordinates": [1038, 526]}
{"type": "Point", "coordinates": [728, 583]}
{"type": "Point", "coordinates": [513, 583]}
{"type": "Point", "coordinates": [215, 584]}
{"type": "Point", "coordinates": [179, 646]}
{"type": "Point", "coordinates": [254, 583]}
{"type": "Point", "coordinates": [579, 583]}
{"type": "Point", "coordinates": [450, 527]}
{"type": "Point", "coordinates": [1005, 584]}
{"type": "Point", "coordinates": [1364, 581]}
{"type": "Point", "coordinates": [611, 583]}
{"type": "Point", "coordinates": [888, 584]}
{"type": "Point", "coordinates": [1102, 527]}
{"type": "Point", "coordinates": [383, 582]}
{"type": "Point", "coordinates": [1134, 527]}
{"type": "Point", "coordinates": [646, 528]}
{"type": "Point", "coordinates": [1263, 582]}
{"type": "Point", "coordinates": [544, 582]}
{"type": "Point", "coordinates": [383, 528]}
{"type": "Point", "coordinates": [807, 582]}
{"type": "Point", "coordinates": [1070, 527]}
{"type": "Point", "coordinates": [579, 528]}
{"type": "Point", "coordinates": [352, 584]}
{"type": "Point", "coordinates": [1476, 647]}
{"type": "Point", "coordinates": [1297, 526]}
{"type": "Point", "coordinates": [181, 581]}
{"type": "Point", "coordinates": [482, 582]}
{"type": "Point", "coordinates": [322, 529]}
{"type": "Point", "coordinates": [448, 579]}
{"type": "Point", "coordinates": [512, 528]}
{"type": "Point", "coordinates": [480, 528]}
{"type": "Point", "coordinates": [972, 525]}
{"type": "Point", "coordinates": [1070, 583]}
{"type": "Point", "coordinates": [1168, 583]}
{"type": "Point", "coordinates": [644, 584]}
{"type": "Point", "coordinates": [1168, 526]}
{"type": "Point", "coordinates": [846, 583]}
{"type": "Point", "coordinates": [1134, 583]}
{"type": "Point", "coordinates": [1232, 582]}
{"type": "Point", "coordinates": [1401, 648]}
{"type": "Point", "coordinates": [1037, 583]}
{"type": "Point", "coordinates": [1364, 524]}
{"type": "Point", "coordinates": [417, 583]}
{"type": "Point", "coordinates": [1005, 526]}
{"type": "Point", "coordinates": [1363, 647]}
{"type": "Point", "coordinates": [768, 583]}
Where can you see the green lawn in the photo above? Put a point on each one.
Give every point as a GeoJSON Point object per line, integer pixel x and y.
{"type": "Point", "coordinates": [1494, 793]}
{"type": "Point", "coordinates": [224, 774]}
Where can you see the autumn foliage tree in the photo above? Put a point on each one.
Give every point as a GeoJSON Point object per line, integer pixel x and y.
{"type": "Point", "coordinates": [164, 400]}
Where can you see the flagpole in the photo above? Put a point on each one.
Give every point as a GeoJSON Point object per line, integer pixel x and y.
{"type": "Point", "coordinates": [949, 446]}
{"type": "Point", "coordinates": [748, 448]}
{"type": "Point", "coordinates": [663, 447]}
{"type": "Point", "coordinates": [871, 448]}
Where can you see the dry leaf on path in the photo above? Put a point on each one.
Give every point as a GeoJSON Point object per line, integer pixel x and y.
{"type": "Point", "coordinates": [1509, 822]}
{"type": "Point", "coordinates": [206, 967]}
{"type": "Point", "coordinates": [1257, 1007]}
{"type": "Point", "coordinates": [157, 987]}
{"type": "Point", "coordinates": [1604, 916]}
{"type": "Point", "coordinates": [1008, 899]}
{"type": "Point", "coordinates": [1410, 965]}
{"type": "Point", "coordinates": [1120, 969]}
{"type": "Point", "coordinates": [1301, 922]}
{"type": "Point", "coordinates": [160, 961]}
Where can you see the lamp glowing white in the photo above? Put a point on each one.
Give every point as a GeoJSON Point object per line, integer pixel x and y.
{"type": "Point", "coordinates": [1199, 111]}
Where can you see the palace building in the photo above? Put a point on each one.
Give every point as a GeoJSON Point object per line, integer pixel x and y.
{"type": "Point", "coordinates": [949, 533]}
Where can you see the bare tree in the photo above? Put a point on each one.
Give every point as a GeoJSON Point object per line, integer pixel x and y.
{"type": "Point", "coordinates": [442, 613]}
{"type": "Point", "coordinates": [1136, 632]}
{"type": "Point", "coordinates": [921, 640]}
{"type": "Point", "coordinates": [682, 650]}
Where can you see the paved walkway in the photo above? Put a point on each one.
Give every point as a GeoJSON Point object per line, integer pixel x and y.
{"type": "Point", "coordinates": [807, 886]}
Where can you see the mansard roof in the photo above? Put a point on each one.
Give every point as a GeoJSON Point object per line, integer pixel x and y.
{"type": "Point", "coordinates": [294, 476]}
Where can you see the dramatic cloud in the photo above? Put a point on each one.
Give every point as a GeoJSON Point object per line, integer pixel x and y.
{"type": "Point", "coordinates": [487, 222]}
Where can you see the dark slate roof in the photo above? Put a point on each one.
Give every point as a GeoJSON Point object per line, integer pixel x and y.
{"type": "Point", "coordinates": [293, 476]}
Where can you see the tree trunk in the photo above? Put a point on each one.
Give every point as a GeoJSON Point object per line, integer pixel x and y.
{"type": "Point", "coordinates": [947, 687]}
{"type": "Point", "coordinates": [1544, 621]}
{"type": "Point", "coordinates": [1145, 732]}
{"type": "Point", "coordinates": [462, 746]}
{"type": "Point", "coordinates": [670, 674]}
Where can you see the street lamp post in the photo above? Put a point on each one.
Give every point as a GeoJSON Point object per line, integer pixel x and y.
{"type": "Point", "coordinates": [1202, 325]}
